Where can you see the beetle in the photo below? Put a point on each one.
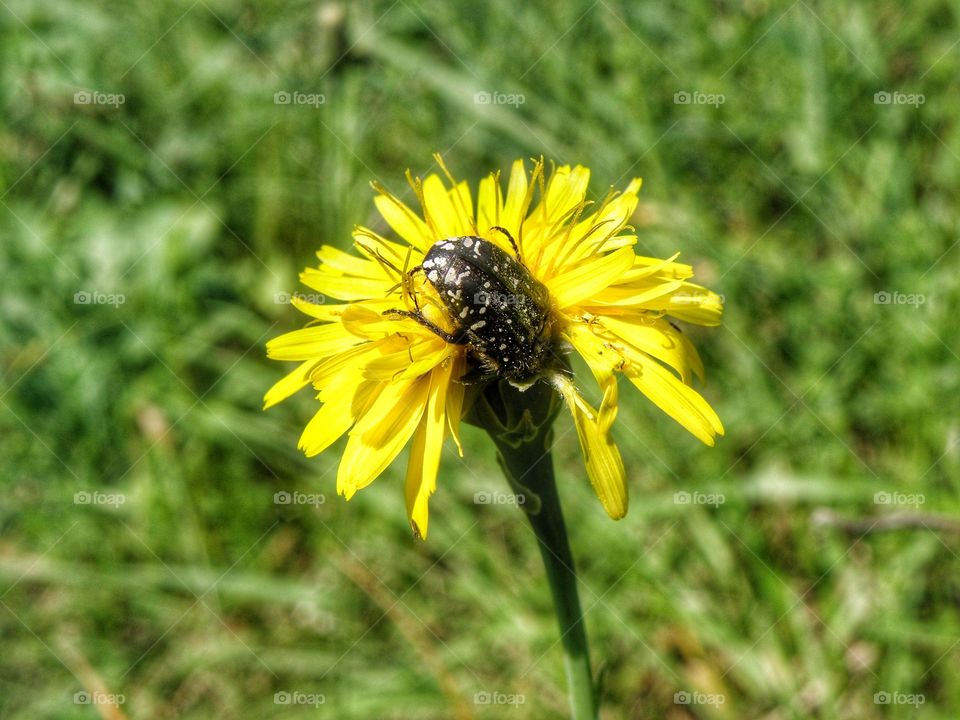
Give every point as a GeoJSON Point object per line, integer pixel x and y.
{"type": "Point", "coordinates": [499, 310]}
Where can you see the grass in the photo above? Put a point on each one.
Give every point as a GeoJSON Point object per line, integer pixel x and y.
{"type": "Point", "coordinates": [198, 200]}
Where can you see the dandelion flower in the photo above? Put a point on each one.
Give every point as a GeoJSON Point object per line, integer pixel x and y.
{"type": "Point", "coordinates": [390, 360]}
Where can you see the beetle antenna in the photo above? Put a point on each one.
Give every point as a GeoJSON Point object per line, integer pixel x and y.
{"type": "Point", "coordinates": [513, 243]}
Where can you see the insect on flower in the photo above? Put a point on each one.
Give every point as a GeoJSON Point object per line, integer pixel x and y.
{"type": "Point", "coordinates": [501, 312]}
{"type": "Point", "coordinates": [493, 286]}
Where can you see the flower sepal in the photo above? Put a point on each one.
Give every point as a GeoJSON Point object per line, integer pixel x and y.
{"type": "Point", "coordinates": [520, 423]}
{"type": "Point", "coordinates": [509, 414]}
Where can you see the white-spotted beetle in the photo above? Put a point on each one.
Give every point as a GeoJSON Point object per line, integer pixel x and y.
{"type": "Point", "coordinates": [500, 311]}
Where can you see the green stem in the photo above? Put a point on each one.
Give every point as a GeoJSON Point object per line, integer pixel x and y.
{"type": "Point", "coordinates": [529, 469]}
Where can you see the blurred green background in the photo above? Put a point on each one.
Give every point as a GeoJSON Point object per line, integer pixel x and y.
{"type": "Point", "coordinates": [825, 584]}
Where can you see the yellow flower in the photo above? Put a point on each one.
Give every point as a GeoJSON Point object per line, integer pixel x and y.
{"type": "Point", "coordinates": [385, 378]}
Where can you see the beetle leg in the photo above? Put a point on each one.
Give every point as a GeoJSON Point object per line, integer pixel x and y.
{"type": "Point", "coordinates": [476, 376]}
{"type": "Point", "coordinates": [405, 281]}
{"type": "Point", "coordinates": [405, 284]}
{"type": "Point", "coordinates": [413, 295]}
{"type": "Point", "coordinates": [453, 339]}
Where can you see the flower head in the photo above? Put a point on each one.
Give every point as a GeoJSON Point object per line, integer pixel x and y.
{"type": "Point", "coordinates": [389, 361]}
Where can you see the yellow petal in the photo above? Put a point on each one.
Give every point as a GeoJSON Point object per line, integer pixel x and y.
{"type": "Point", "coordinates": [463, 204]}
{"type": "Point", "coordinates": [602, 457]}
{"type": "Point", "coordinates": [601, 357]}
{"type": "Point", "coordinates": [415, 359]}
{"type": "Point", "coordinates": [370, 320]}
{"type": "Point", "coordinates": [377, 248]}
{"type": "Point", "coordinates": [440, 211]}
{"type": "Point", "coordinates": [311, 343]}
{"type": "Point", "coordinates": [426, 450]}
{"type": "Point", "coordinates": [589, 278]}
{"type": "Point", "coordinates": [682, 300]}
{"type": "Point", "coordinates": [460, 199]}
{"type": "Point", "coordinates": [344, 371]}
{"type": "Point", "coordinates": [650, 295]}
{"type": "Point", "coordinates": [380, 434]}
{"type": "Point", "coordinates": [679, 401]}
{"type": "Point", "coordinates": [598, 230]}
{"type": "Point", "coordinates": [345, 287]}
{"type": "Point", "coordinates": [489, 203]}
{"type": "Point", "coordinates": [325, 312]}
{"type": "Point", "coordinates": [666, 269]}
{"type": "Point", "coordinates": [343, 262]}
{"type": "Point", "coordinates": [333, 419]}
{"type": "Point", "coordinates": [695, 304]}
{"type": "Point", "coordinates": [290, 384]}
{"type": "Point", "coordinates": [654, 337]}
{"type": "Point", "coordinates": [417, 505]}
{"type": "Point", "coordinates": [692, 355]}
{"type": "Point", "coordinates": [518, 199]}
{"type": "Point", "coordinates": [404, 221]}
{"type": "Point", "coordinates": [566, 189]}
{"type": "Point", "coordinates": [455, 395]}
